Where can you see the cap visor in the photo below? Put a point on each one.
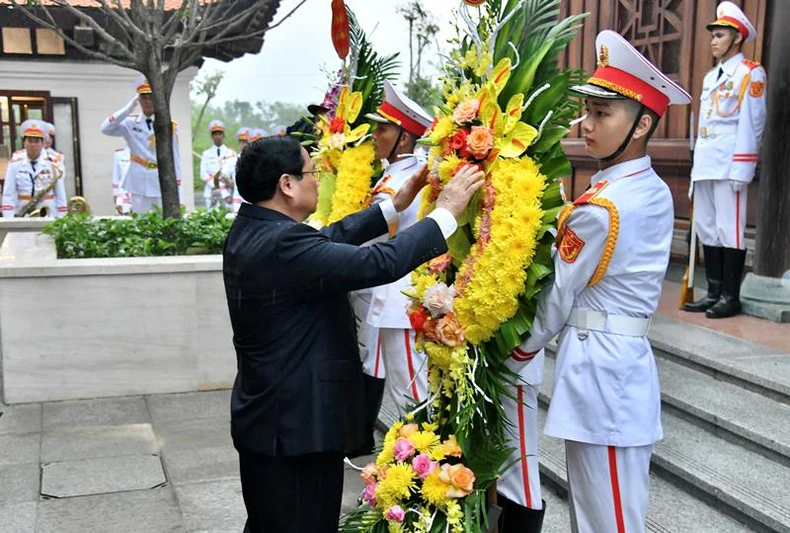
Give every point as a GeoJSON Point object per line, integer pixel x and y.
{"type": "Point", "coordinates": [589, 89]}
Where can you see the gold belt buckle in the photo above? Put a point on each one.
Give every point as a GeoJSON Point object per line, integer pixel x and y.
{"type": "Point", "coordinates": [150, 164]}
{"type": "Point", "coordinates": [703, 132]}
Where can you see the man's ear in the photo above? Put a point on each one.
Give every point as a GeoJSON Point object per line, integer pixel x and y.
{"type": "Point", "coordinates": [644, 127]}
{"type": "Point", "coordinates": [286, 185]}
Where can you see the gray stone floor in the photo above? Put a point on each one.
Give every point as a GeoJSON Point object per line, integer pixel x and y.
{"type": "Point", "coordinates": [153, 464]}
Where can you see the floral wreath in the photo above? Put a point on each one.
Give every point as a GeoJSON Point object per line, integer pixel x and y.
{"type": "Point", "coordinates": [505, 109]}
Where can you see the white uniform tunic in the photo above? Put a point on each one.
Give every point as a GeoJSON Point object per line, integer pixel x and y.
{"type": "Point", "coordinates": [606, 388]}
{"type": "Point", "coordinates": [211, 162]}
{"type": "Point", "coordinates": [22, 183]}
{"type": "Point", "coordinates": [392, 342]}
{"type": "Point", "coordinates": [142, 179]}
{"type": "Point", "coordinates": [731, 125]}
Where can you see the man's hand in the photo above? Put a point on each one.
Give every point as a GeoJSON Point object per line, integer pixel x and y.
{"type": "Point", "coordinates": [456, 195]}
{"type": "Point", "coordinates": [409, 191]}
{"type": "Point", "coordinates": [738, 186]}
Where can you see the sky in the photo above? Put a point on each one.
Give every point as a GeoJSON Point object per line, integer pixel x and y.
{"type": "Point", "coordinates": [289, 66]}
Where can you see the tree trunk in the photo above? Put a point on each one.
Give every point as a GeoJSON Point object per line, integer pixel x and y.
{"type": "Point", "coordinates": [772, 257]}
{"type": "Point", "coordinates": [163, 129]}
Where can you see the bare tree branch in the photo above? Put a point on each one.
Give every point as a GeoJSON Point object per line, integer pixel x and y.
{"type": "Point", "coordinates": [220, 37]}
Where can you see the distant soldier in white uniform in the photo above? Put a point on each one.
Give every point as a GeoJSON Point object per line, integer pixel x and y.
{"type": "Point", "coordinates": [613, 252]}
{"type": "Point", "coordinates": [230, 194]}
{"type": "Point", "coordinates": [731, 125]}
{"type": "Point", "coordinates": [49, 141]}
{"type": "Point", "coordinates": [390, 343]}
{"type": "Point", "coordinates": [211, 163]}
{"type": "Point", "coordinates": [121, 198]}
{"type": "Point", "coordinates": [33, 174]}
{"type": "Point", "coordinates": [142, 179]}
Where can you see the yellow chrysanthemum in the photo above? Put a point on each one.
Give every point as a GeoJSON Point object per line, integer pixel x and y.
{"type": "Point", "coordinates": [353, 180]}
{"type": "Point", "coordinates": [434, 490]}
{"type": "Point", "coordinates": [387, 454]}
{"type": "Point", "coordinates": [396, 485]}
{"type": "Point", "coordinates": [443, 128]}
{"type": "Point", "coordinates": [423, 441]}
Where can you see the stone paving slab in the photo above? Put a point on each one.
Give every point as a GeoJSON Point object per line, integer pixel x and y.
{"type": "Point", "coordinates": [181, 435]}
{"type": "Point", "coordinates": [98, 412]}
{"type": "Point", "coordinates": [216, 507]}
{"type": "Point", "coordinates": [66, 444]}
{"type": "Point", "coordinates": [202, 465]}
{"type": "Point", "coordinates": [189, 406]}
{"type": "Point", "coordinates": [100, 476]}
{"type": "Point", "coordinates": [18, 517]}
{"type": "Point", "coordinates": [20, 448]}
{"type": "Point", "coordinates": [19, 484]}
{"type": "Point", "coordinates": [20, 419]}
{"type": "Point", "coordinates": [149, 511]}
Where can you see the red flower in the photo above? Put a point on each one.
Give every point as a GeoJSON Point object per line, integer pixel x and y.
{"type": "Point", "coordinates": [418, 318]}
{"type": "Point", "coordinates": [337, 125]}
{"type": "Point", "coordinates": [458, 140]}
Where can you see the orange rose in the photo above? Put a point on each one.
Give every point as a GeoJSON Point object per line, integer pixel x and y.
{"type": "Point", "coordinates": [409, 429]}
{"type": "Point", "coordinates": [449, 332]}
{"type": "Point", "coordinates": [466, 111]}
{"type": "Point", "coordinates": [451, 447]}
{"type": "Point", "coordinates": [480, 141]}
{"type": "Point", "coordinates": [460, 478]}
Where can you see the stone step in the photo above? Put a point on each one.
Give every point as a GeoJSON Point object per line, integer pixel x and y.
{"type": "Point", "coordinates": [752, 366]}
{"type": "Point", "coordinates": [737, 480]}
{"type": "Point", "coordinates": [670, 509]}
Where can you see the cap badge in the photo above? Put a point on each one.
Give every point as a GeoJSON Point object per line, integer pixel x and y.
{"type": "Point", "coordinates": [603, 57]}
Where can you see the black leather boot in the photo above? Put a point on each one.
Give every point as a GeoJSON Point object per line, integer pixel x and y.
{"type": "Point", "coordinates": [729, 303]}
{"type": "Point", "coordinates": [373, 393]}
{"type": "Point", "coordinates": [518, 519]}
{"type": "Point", "coordinates": [714, 266]}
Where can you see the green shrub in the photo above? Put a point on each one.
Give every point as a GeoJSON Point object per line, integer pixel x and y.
{"type": "Point", "coordinates": [80, 236]}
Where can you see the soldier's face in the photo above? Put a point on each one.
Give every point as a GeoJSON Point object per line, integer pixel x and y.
{"type": "Point", "coordinates": [218, 137]}
{"type": "Point", "coordinates": [384, 137]}
{"type": "Point", "coordinates": [606, 126]}
{"type": "Point", "coordinates": [33, 147]}
{"type": "Point", "coordinates": [146, 104]}
{"type": "Point", "coordinates": [721, 40]}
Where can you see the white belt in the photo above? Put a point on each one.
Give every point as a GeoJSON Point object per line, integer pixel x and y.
{"type": "Point", "coordinates": [706, 132]}
{"type": "Point", "coordinates": [586, 320]}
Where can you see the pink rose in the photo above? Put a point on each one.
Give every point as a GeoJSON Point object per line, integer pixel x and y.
{"type": "Point", "coordinates": [369, 495]}
{"type": "Point", "coordinates": [403, 449]}
{"type": "Point", "coordinates": [438, 299]}
{"type": "Point", "coordinates": [480, 141]}
{"type": "Point", "coordinates": [395, 514]}
{"type": "Point", "coordinates": [423, 466]}
{"type": "Point", "coordinates": [466, 111]}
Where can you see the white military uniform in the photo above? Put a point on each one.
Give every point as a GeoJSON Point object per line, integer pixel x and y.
{"type": "Point", "coordinates": [22, 182]}
{"type": "Point", "coordinates": [731, 125]}
{"type": "Point", "coordinates": [142, 179]}
{"type": "Point", "coordinates": [613, 251]}
{"type": "Point", "coordinates": [211, 162]}
{"type": "Point", "coordinates": [120, 166]}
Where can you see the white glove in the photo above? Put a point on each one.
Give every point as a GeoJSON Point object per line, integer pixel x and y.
{"type": "Point", "coordinates": [691, 191]}
{"type": "Point", "coordinates": [738, 186]}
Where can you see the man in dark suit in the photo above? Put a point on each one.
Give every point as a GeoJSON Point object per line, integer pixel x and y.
{"type": "Point", "coordinates": [295, 407]}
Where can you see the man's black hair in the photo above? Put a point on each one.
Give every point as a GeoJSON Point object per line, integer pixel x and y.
{"type": "Point", "coordinates": [638, 110]}
{"type": "Point", "coordinates": [261, 164]}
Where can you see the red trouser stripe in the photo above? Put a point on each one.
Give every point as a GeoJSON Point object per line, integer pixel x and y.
{"type": "Point", "coordinates": [738, 220]}
{"type": "Point", "coordinates": [618, 505]}
{"type": "Point", "coordinates": [410, 362]}
{"type": "Point", "coordinates": [522, 440]}
{"type": "Point", "coordinates": [378, 355]}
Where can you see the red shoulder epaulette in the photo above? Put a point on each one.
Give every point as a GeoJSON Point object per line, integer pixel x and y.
{"type": "Point", "coordinates": [751, 64]}
{"type": "Point", "coordinates": [591, 193]}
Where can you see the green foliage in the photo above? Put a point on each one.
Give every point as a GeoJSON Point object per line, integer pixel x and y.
{"type": "Point", "coordinates": [81, 237]}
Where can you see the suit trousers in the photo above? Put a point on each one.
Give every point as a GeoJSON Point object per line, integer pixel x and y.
{"type": "Point", "coordinates": [300, 494]}
{"type": "Point", "coordinates": [719, 214]}
{"type": "Point", "coordinates": [608, 487]}
{"type": "Point", "coordinates": [521, 483]}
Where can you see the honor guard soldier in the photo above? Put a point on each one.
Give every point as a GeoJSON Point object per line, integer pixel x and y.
{"type": "Point", "coordinates": [121, 198]}
{"type": "Point", "coordinates": [49, 141]}
{"type": "Point", "coordinates": [230, 193]}
{"type": "Point", "coordinates": [211, 163]}
{"type": "Point", "coordinates": [731, 125]}
{"type": "Point", "coordinates": [142, 179]}
{"type": "Point", "coordinates": [613, 248]}
{"type": "Point", "coordinates": [390, 342]}
{"type": "Point", "coordinates": [33, 181]}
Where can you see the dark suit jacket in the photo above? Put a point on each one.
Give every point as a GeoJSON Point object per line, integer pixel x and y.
{"type": "Point", "coordinates": [298, 387]}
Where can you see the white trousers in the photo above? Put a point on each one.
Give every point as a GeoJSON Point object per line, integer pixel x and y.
{"type": "Point", "coordinates": [719, 214]}
{"type": "Point", "coordinates": [406, 367]}
{"type": "Point", "coordinates": [608, 487]}
{"type": "Point", "coordinates": [144, 204]}
{"type": "Point", "coordinates": [521, 483]}
{"type": "Point", "coordinates": [368, 340]}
